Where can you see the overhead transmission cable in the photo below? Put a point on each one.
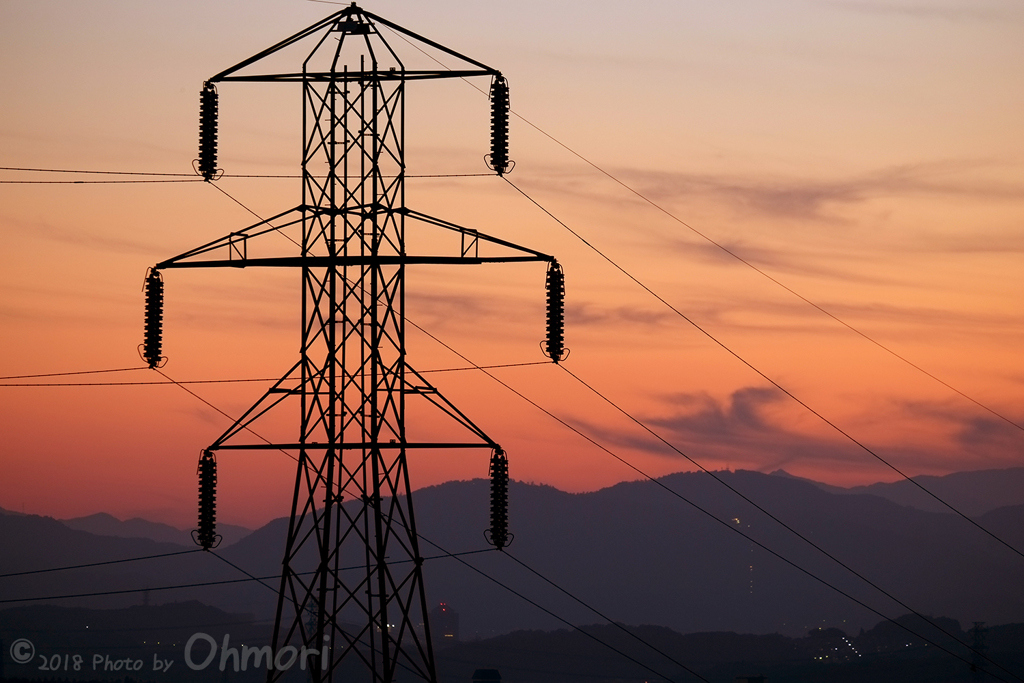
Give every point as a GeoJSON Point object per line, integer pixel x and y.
{"type": "Point", "coordinates": [662, 485]}
{"type": "Point", "coordinates": [692, 504]}
{"type": "Point", "coordinates": [610, 621]}
{"type": "Point", "coordinates": [848, 568]}
{"type": "Point", "coordinates": [358, 639]}
{"type": "Point", "coordinates": [262, 219]}
{"type": "Point", "coordinates": [99, 564]}
{"type": "Point", "coordinates": [763, 273]}
{"type": "Point", "coordinates": [736, 529]}
{"type": "Point", "coordinates": [233, 420]}
{"type": "Point", "coordinates": [764, 376]}
{"type": "Point", "coordinates": [456, 556]}
{"type": "Point", "coordinates": [223, 381]}
{"type": "Point", "coordinates": [638, 282]}
{"type": "Point", "coordinates": [561, 619]}
{"type": "Point", "coordinates": [446, 553]}
{"type": "Point", "coordinates": [688, 320]}
{"type": "Point", "coordinates": [94, 172]}
{"type": "Point", "coordinates": [98, 182]}
{"type": "Point", "coordinates": [199, 584]}
{"type": "Point", "coordinates": [715, 340]}
{"type": "Point", "coordinates": [190, 177]}
{"type": "Point", "coordinates": [75, 372]}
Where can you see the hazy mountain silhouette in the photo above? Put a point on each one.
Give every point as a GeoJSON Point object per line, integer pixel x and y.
{"type": "Point", "coordinates": [103, 524]}
{"type": "Point", "coordinates": [972, 493]}
{"type": "Point", "coordinates": [636, 552]}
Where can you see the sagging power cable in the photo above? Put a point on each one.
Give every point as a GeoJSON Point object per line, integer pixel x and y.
{"type": "Point", "coordinates": [736, 529]}
{"type": "Point", "coordinates": [764, 376]}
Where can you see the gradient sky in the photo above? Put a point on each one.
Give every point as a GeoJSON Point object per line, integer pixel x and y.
{"type": "Point", "coordinates": [867, 154]}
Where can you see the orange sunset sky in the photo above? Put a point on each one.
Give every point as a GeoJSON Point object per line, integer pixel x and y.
{"type": "Point", "coordinates": [869, 154]}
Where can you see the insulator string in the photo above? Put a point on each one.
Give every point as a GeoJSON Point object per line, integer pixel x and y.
{"type": "Point", "coordinates": [498, 160]}
{"type": "Point", "coordinates": [206, 535]}
{"type": "Point", "coordinates": [554, 345]}
{"type": "Point", "coordinates": [207, 163]}
{"type": "Point", "coordinates": [152, 346]}
{"type": "Point", "coordinates": [498, 535]}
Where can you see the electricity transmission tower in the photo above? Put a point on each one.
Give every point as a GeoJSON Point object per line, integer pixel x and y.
{"type": "Point", "coordinates": [352, 502]}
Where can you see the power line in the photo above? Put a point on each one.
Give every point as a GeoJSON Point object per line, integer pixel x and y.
{"type": "Point", "coordinates": [763, 273]}
{"type": "Point", "coordinates": [764, 376]}
{"type": "Point", "coordinates": [66, 170]}
{"type": "Point", "coordinates": [733, 528]}
{"type": "Point", "coordinates": [96, 182]}
{"type": "Point", "coordinates": [233, 420]}
{"type": "Point", "coordinates": [222, 381]}
{"type": "Point", "coordinates": [125, 591]}
{"type": "Point", "coordinates": [262, 220]}
{"type": "Point", "coordinates": [716, 340]}
{"type": "Point", "coordinates": [192, 177]}
{"type": "Point", "coordinates": [552, 614]}
{"type": "Point", "coordinates": [98, 564]}
{"type": "Point", "coordinates": [681, 497]}
{"type": "Point", "coordinates": [136, 384]}
{"type": "Point", "coordinates": [200, 584]}
{"type": "Point", "coordinates": [74, 372]}
{"type": "Point", "coordinates": [684, 499]}
{"type": "Point", "coordinates": [610, 621]}
{"type": "Point", "coordinates": [771, 516]}
{"type": "Point", "coordinates": [721, 344]}
{"type": "Point", "coordinates": [446, 553]}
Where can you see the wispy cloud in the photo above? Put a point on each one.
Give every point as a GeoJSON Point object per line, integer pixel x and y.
{"type": "Point", "coordinates": [975, 430]}
{"type": "Point", "coordinates": [811, 198]}
{"type": "Point", "coordinates": [749, 429]}
{"type": "Point", "coordinates": [738, 429]}
{"type": "Point", "coordinates": [591, 314]}
{"type": "Point", "coordinates": [976, 11]}
{"type": "Point", "coordinates": [78, 236]}
{"type": "Point", "coordinates": [776, 196]}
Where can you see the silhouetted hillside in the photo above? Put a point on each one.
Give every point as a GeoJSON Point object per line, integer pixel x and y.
{"type": "Point", "coordinates": [972, 493]}
{"type": "Point", "coordinates": [103, 524]}
{"type": "Point", "coordinates": [31, 543]}
{"type": "Point", "coordinates": [634, 551]}
{"type": "Point", "coordinates": [644, 556]}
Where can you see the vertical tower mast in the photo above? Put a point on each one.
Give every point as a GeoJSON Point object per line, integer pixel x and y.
{"type": "Point", "coordinates": [352, 503]}
{"type": "Point", "coordinates": [353, 368]}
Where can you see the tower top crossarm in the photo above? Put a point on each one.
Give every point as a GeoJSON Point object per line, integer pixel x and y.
{"type": "Point", "coordinates": [353, 23]}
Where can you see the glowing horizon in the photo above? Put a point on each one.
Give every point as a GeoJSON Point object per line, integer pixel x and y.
{"type": "Point", "coordinates": [865, 154]}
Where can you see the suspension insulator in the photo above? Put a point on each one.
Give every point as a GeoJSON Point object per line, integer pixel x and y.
{"type": "Point", "coordinates": [207, 164]}
{"type": "Point", "coordinates": [498, 535]}
{"type": "Point", "coordinates": [206, 534]}
{"type": "Point", "coordinates": [554, 345]}
{"type": "Point", "coordinates": [152, 345]}
{"type": "Point", "coordinates": [498, 160]}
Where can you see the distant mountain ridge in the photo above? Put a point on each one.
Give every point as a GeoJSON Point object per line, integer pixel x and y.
{"type": "Point", "coordinates": [103, 524]}
{"type": "Point", "coordinates": [972, 493]}
{"type": "Point", "coordinates": [636, 551]}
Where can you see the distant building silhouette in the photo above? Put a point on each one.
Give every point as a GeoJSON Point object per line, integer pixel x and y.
{"type": "Point", "coordinates": [444, 621]}
{"type": "Point", "coordinates": [486, 676]}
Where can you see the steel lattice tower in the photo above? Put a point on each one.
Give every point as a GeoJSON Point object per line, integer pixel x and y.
{"type": "Point", "coordinates": [352, 503]}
